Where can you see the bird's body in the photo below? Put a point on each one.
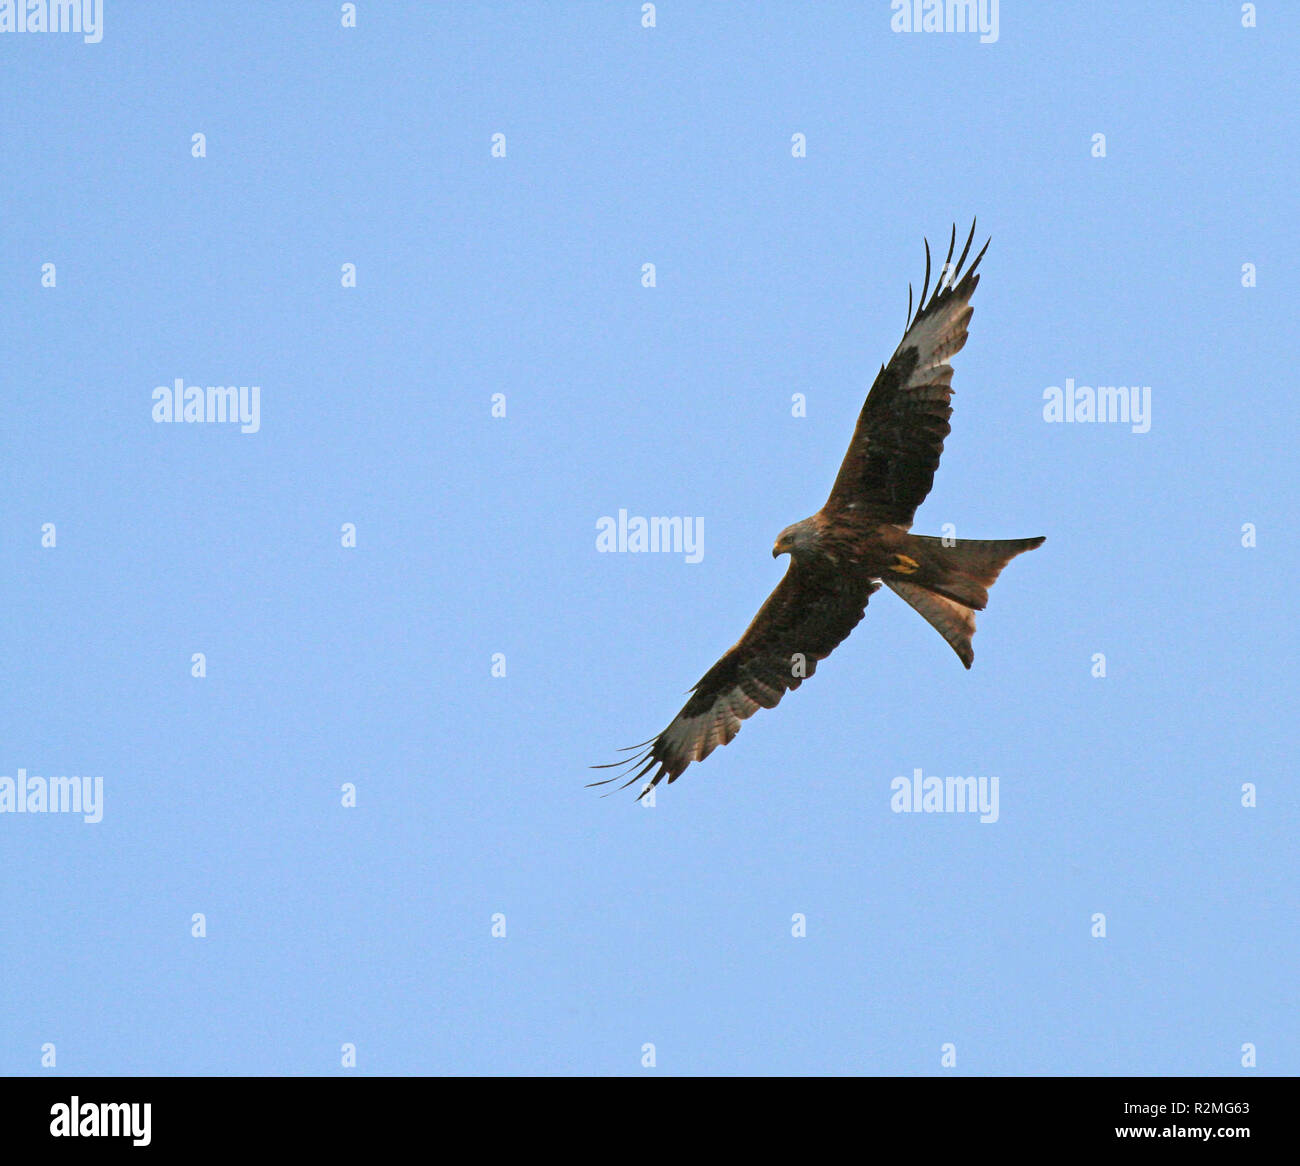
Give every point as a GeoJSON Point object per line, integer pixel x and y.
{"type": "Point", "coordinates": [860, 539]}
{"type": "Point", "coordinates": [854, 542]}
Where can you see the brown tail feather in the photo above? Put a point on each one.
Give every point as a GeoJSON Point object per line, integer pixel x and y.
{"type": "Point", "coordinates": [953, 621]}
{"type": "Point", "coordinates": [947, 584]}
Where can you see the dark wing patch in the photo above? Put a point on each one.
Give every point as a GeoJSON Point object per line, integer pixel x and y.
{"type": "Point", "coordinates": [890, 466]}
{"type": "Point", "coordinates": [807, 615]}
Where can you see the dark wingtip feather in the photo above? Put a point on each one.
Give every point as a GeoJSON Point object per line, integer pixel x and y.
{"type": "Point", "coordinates": [637, 766]}
{"type": "Point", "coordinates": [965, 251]}
{"type": "Point", "coordinates": [949, 279]}
{"type": "Point", "coordinates": [926, 285]}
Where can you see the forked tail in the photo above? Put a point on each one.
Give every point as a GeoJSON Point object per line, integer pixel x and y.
{"type": "Point", "coordinates": [948, 583]}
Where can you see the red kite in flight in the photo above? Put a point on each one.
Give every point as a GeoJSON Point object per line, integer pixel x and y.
{"type": "Point", "coordinates": [840, 556]}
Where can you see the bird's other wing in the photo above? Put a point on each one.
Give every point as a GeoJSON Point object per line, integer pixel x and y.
{"type": "Point", "coordinates": [801, 623]}
{"type": "Point", "coordinates": [890, 466]}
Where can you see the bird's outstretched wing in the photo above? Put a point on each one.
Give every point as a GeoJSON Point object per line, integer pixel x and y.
{"type": "Point", "coordinates": [890, 466]}
{"type": "Point", "coordinates": [801, 623]}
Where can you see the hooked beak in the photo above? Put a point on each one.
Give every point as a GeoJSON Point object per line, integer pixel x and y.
{"type": "Point", "coordinates": [776, 551]}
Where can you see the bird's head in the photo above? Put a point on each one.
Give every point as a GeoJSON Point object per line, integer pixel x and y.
{"type": "Point", "coordinates": [796, 540]}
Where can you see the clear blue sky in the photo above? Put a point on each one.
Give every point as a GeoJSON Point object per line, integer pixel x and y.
{"type": "Point", "coordinates": [522, 275]}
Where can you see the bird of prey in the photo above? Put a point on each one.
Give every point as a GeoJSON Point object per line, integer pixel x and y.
{"type": "Point", "coordinates": [859, 539]}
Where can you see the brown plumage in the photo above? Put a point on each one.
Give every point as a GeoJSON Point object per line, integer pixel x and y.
{"type": "Point", "coordinates": [860, 538]}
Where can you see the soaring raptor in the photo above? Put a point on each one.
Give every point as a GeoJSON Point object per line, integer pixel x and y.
{"type": "Point", "coordinates": [840, 556]}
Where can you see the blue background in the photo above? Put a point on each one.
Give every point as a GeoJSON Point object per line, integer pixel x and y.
{"type": "Point", "coordinates": [776, 275]}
